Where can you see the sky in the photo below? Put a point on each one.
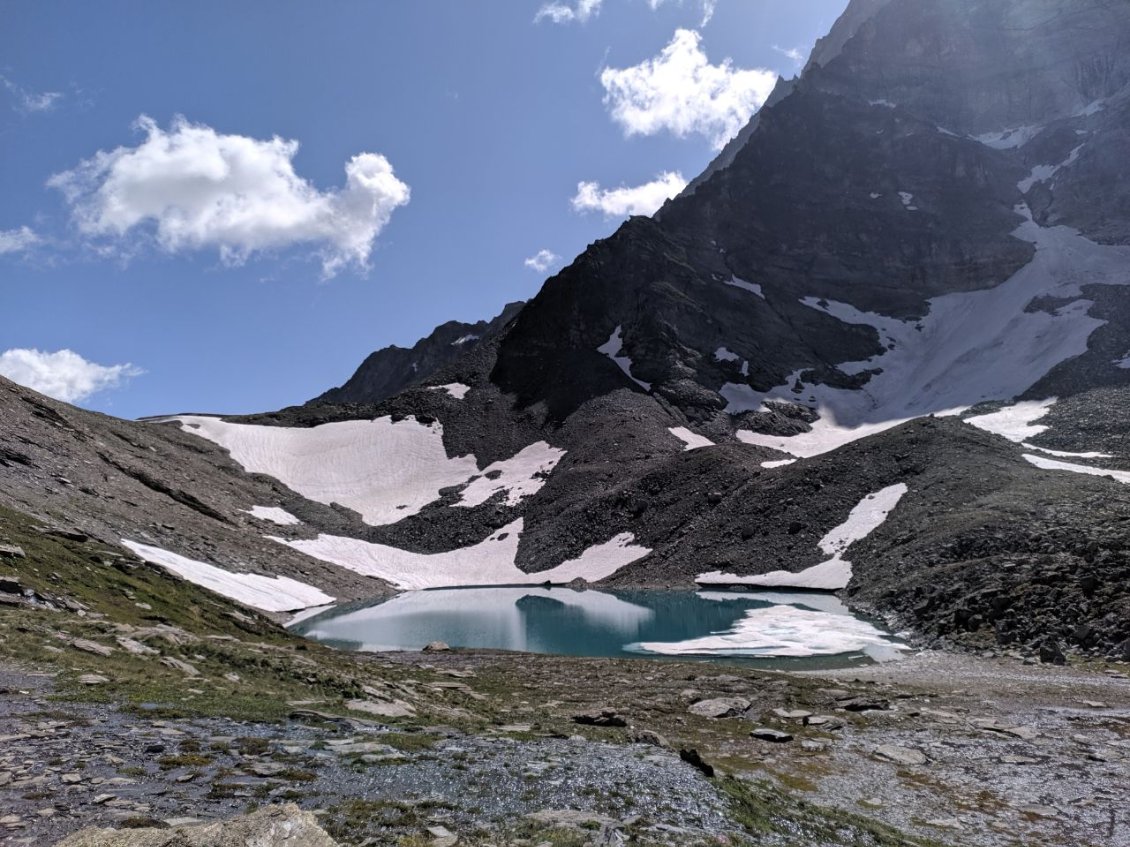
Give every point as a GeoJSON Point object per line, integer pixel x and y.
{"type": "Point", "coordinates": [224, 207]}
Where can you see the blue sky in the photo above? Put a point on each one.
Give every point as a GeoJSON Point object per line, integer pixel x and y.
{"type": "Point", "coordinates": [151, 223]}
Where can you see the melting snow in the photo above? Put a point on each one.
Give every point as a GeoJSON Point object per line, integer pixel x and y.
{"type": "Point", "coordinates": [490, 562]}
{"type": "Point", "coordinates": [274, 514]}
{"type": "Point", "coordinates": [723, 354]}
{"type": "Point", "coordinates": [691, 440]}
{"type": "Point", "coordinates": [1042, 173]}
{"type": "Point", "coordinates": [1016, 422]}
{"type": "Point", "coordinates": [464, 340]}
{"type": "Point", "coordinates": [456, 389]}
{"type": "Point", "coordinates": [834, 574]}
{"type": "Point", "coordinates": [269, 593]}
{"type": "Point", "coordinates": [970, 348]}
{"type": "Point", "coordinates": [1052, 465]}
{"type": "Point", "coordinates": [786, 631]}
{"type": "Point", "coordinates": [752, 287]}
{"type": "Point", "coordinates": [521, 475]}
{"type": "Point", "coordinates": [385, 471]}
{"type": "Point", "coordinates": [612, 349]}
{"type": "Point", "coordinates": [1009, 139]}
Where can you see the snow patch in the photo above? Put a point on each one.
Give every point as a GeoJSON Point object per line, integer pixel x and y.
{"type": "Point", "coordinates": [751, 287]}
{"type": "Point", "coordinates": [908, 201]}
{"type": "Point", "coordinates": [784, 631]}
{"type": "Point", "coordinates": [835, 574]}
{"type": "Point", "coordinates": [1124, 362]}
{"type": "Point", "coordinates": [778, 463]}
{"type": "Point", "coordinates": [1015, 422]}
{"type": "Point", "coordinates": [465, 339]}
{"type": "Point", "coordinates": [724, 354]}
{"type": "Point", "coordinates": [490, 562]}
{"type": "Point", "coordinates": [456, 389]}
{"type": "Point", "coordinates": [521, 475]}
{"type": "Point", "coordinates": [887, 104]}
{"type": "Point", "coordinates": [1009, 139]}
{"type": "Point", "coordinates": [971, 347]}
{"type": "Point", "coordinates": [741, 398]}
{"type": "Point", "coordinates": [385, 471]}
{"type": "Point", "coordinates": [274, 514]}
{"type": "Point", "coordinates": [612, 348]}
{"type": "Point", "coordinates": [691, 440]}
{"type": "Point", "coordinates": [1052, 465]}
{"type": "Point", "coordinates": [269, 593]}
{"type": "Point", "coordinates": [1043, 173]}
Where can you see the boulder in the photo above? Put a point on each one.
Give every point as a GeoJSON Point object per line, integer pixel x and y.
{"type": "Point", "coordinates": [719, 707]}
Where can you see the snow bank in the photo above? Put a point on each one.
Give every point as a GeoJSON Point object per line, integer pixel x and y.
{"type": "Point", "coordinates": [751, 287]}
{"type": "Point", "coordinates": [520, 475]}
{"type": "Point", "coordinates": [490, 562]}
{"type": "Point", "coordinates": [456, 389]}
{"type": "Point", "coordinates": [834, 574]}
{"type": "Point", "coordinates": [1053, 465]}
{"type": "Point", "coordinates": [778, 463]}
{"type": "Point", "coordinates": [273, 514]}
{"type": "Point", "coordinates": [269, 593]}
{"type": "Point", "coordinates": [1043, 173]}
{"type": "Point", "coordinates": [691, 440]}
{"type": "Point", "coordinates": [784, 631]}
{"type": "Point", "coordinates": [385, 471]}
{"type": "Point", "coordinates": [612, 348]}
{"type": "Point", "coordinates": [1015, 422]}
{"type": "Point", "coordinates": [971, 347]}
{"type": "Point", "coordinates": [1009, 139]}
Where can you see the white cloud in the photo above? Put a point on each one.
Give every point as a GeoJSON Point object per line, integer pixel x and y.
{"type": "Point", "coordinates": [639, 200]}
{"type": "Point", "coordinates": [681, 92]}
{"type": "Point", "coordinates": [542, 261]}
{"type": "Point", "coordinates": [17, 240]}
{"type": "Point", "coordinates": [201, 189]}
{"type": "Point", "coordinates": [794, 53]}
{"type": "Point", "coordinates": [563, 13]}
{"type": "Point", "coordinates": [31, 101]}
{"type": "Point", "coordinates": [708, 7]}
{"type": "Point", "coordinates": [64, 374]}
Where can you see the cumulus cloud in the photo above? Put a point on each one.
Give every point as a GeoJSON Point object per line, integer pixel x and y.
{"type": "Point", "coordinates": [563, 13]}
{"type": "Point", "coordinates": [638, 200]}
{"type": "Point", "coordinates": [680, 92]}
{"type": "Point", "coordinates": [17, 240]}
{"type": "Point", "coordinates": [197, 188]}
{"type": "Point", "coordinates": [64, 374]}
{"type": "Point", "coordinates": [708, 7]}
{"type": "Point", "coordinates": [542, 261]}
{"type": "Point", "coordinates": [31, 101]}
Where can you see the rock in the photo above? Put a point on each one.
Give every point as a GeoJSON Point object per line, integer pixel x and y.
{"type": "Point", "coordinates": [178, 665]}
{"type": "Point", "coordinates": [572, 819]}
{"type": "Point", "coordinates": [71, 778]}
{"type": "Point", "coordinates": [1051, 653]}
{"type": "Point", "coordinates": [93, 679]}
{"type": "Point", "coordinates": [1024, 733]}
{"type": "Point", "coordinates": [1011, 759]}
{"type": "Point", "coordinates": [393, 709]}
{"type": "Point", "coordinates": [136, 648]}
{"type": "Point", "coordinates": [603, 717]}
{"type": "Point", "coordinates": [94, 647]}
{"type": "Point", "coordinates": [764, 733]}
{"type": "Point", "coordinates": [826, 721]}
{"type": "Point", "coordinates": [265, 769]}
{"type": "Point", "coordinates": [646, 736]}
{"type": "Point", "coordinates": [692, 758]}
{"type": "Point", "coordinates": [792, 714]}
{"type": "Point", "coordinates": [272, 826]}
{"type": "Point", "coordinates": [11, 551]}
{"type": "Point", "coordinates": [864, 704]}
{"type": "Point", "coordinates": [900, 755]}
{"type": "Point", "coordinates": [442, 836]}
{"type": "Point", "coordinates": [436, 647]}
{"type": "Point", "coordinates": [720, 707]}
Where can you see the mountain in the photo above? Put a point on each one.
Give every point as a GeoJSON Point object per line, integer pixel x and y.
{"type": "Point", "coordinates": [881, 344]}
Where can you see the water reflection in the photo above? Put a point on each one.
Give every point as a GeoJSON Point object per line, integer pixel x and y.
{"type": "Point", "coordinates": [565, 621]}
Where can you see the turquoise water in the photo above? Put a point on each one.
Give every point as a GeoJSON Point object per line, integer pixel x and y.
{"type": "Point", "coordinates": [805, 629]}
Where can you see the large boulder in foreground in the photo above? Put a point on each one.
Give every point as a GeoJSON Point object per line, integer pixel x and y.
{"type": "Point", "coordinates": [273, 826]}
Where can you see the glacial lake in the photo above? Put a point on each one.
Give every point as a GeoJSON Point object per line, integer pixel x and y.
{"type": "Point", "coordinates": [764, 628]}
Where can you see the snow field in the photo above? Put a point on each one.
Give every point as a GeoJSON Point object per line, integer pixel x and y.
{"type": "Point", "coordinates": [691, 440]}
{"type": "Point", "coordinates": [613, 348]}
{"type": "Point", "coordinates": [274, 514]}
{"type": "Point", "coordinates": [490, 562]}
{"type": "Point", "coordinates": [268, 593]}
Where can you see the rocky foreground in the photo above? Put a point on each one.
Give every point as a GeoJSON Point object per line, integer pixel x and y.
{"type": "Point", "coordinates": [138, 705]}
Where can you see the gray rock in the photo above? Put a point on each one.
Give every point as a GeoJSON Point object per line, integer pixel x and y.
{"type": "Point", "coordinates": [94, 647]}
{"type": "Point", "coordinates": [393, 709]}
{"type": "Point", "coordinates": [720, 707]}
{"type": "Point", "coordinates": [436, 647]}
{"type": "Point", "coordinates": [900, 755]}
{"type": "Point", "coordinates": [602, 717]}
{"type": "Point", "coordinates": [764, 733]}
